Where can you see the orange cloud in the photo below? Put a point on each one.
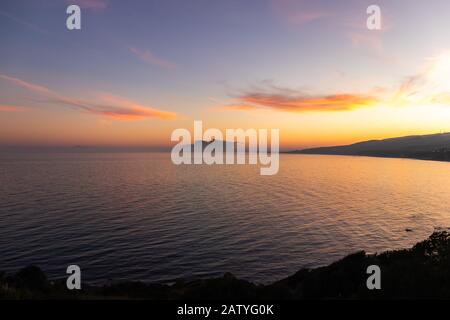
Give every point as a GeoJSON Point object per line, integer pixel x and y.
{"type": "Point", "coordinates": [107, 105]}
{"type": "Point", "coordinates": [429, 87]}
{"type": "Point", "coordinates": [150, 58]}
{"type": "Point", "coordinates": [11, 108]}
{"type": "Point", "coordinates": [303, 103]}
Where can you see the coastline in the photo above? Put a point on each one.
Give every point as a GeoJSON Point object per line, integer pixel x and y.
{"type": "Point", "coordinates": [434, 147]}
{"type": "Point", "coordinates": [421, 272]}
{"type": "Point", "coordinates": [296, 152]}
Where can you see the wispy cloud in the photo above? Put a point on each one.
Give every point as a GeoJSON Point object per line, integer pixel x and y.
{"type": "Point", "coordinates": [372, 41]}
{"type": "Point", "coordinates": [431, 86]}
{"type": "Point", "coordinates": [299, 12]}
{"type": "Point", "coordinates": [151, 58]}
{"type": "Point", "coordinates": [124, 109]}
{"type": "Point", "coordinates": [105, 105]}
{"type": "Point", "coordinates": [23, 22]}
{"type": "Point", "coordinates": [306, 17]}
{"type": "Point", "coordinates": [347, 22]}
{"type": "Point", "coordinates": [369, 42]}
{"type": "Point", "coordinates": [90, 4]}
{"type": "Point", "coordinates": [372, 44]}
{"type": "Point", "coordinates": [27, 85]}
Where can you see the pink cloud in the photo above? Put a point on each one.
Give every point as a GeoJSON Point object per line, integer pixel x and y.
{"type": "Point", "coordinates": [372, 44]}
{"type": "Point", "coordinates": [90, 4]}
{"type": "Point", "coordinates": [124, 109]}
{"type": "Point", "coordinates": [299, 12]}
{"type": "Point", "coordinates": [305, 17]}
{"type": "Point", "coordinates": [26, 85]}
{"type": "Point", "coordinates": [150, 58]}
{"type": "Point", "coordinates": [106, 105]}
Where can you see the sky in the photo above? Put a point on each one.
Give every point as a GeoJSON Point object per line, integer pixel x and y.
{"type": "Point", "coordinates": [137, 70]}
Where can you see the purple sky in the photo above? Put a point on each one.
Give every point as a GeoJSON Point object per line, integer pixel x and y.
{"type": "Point", "coordinates": [139, 69]}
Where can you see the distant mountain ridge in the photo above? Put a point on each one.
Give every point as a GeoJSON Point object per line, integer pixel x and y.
{"type": "Point", "coordinates": [427, 147]}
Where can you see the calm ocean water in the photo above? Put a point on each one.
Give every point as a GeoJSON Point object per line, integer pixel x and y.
{"type": "Point", "coordinates": [137, 216]}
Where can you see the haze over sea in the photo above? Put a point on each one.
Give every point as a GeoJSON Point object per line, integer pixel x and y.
{"type": "Point", "coordinates": [136, 216]}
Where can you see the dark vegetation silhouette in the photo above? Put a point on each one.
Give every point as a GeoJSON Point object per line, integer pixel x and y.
{"type": "Point", "coordinates": [422, 272]}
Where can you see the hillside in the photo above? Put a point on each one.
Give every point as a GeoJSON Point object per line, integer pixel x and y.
{"type": "Point", "coordinates": [428, 147]}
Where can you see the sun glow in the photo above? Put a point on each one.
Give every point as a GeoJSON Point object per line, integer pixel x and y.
{"type": "Point", "coordinates": [440, 71]}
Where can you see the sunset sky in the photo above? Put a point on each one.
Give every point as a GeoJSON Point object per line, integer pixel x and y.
{"type": "Point", "coordinates": [140, 69]}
